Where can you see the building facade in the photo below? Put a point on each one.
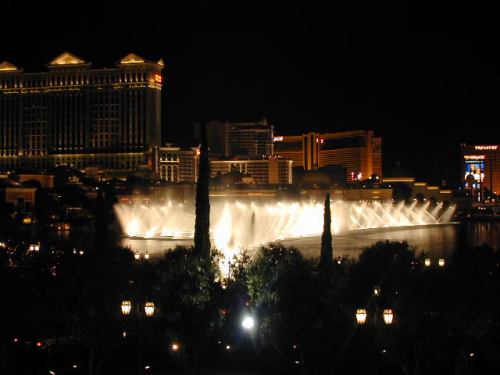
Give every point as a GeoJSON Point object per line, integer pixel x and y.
{"type": "Point", "coordinates": [248, 139]}
{"type": "Point", "coordinates": [480, 166]}
{"type": "Point", "coordinates": [358, 151]}
{"type": "Point", "coordinates": [80, 116]}
{"type": "Point", "coordinates": [272, 170]}
{"type": "Point", "coordinates": [175, 164]}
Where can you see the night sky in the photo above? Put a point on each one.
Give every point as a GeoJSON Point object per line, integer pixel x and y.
{"type": "Point", "coordinates": [424, 93]}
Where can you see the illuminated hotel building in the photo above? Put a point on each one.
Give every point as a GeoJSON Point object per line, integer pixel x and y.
{"type": "Point", "coordinates": [481, 169]}
{"type": "Point", "coordinates": [249, 139]}
{"type": "Point", "coordinates": [358, 151]}
{"type": "Point", "coordinates": [272, 170]}
{"type": "Point", "coordinates": [174, 164]}
{"type": "Point", "coordinates": [80, 116]}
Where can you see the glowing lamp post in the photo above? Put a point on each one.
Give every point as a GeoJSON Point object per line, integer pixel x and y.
{"type": "Point", "coordinates": [248, 323]}
{"type": "Point", "coordinates": [126, 307]}
{"type": "Point", "coordinates": [139, 256]}
{"type": "Point", "coordinates": [376, 291]}
{"type": "Point", "coordinates": [388, 316]}
{"type": "Point", "coordinates": [149, 308]}
{"type": "Point", "coordinates": [361, 316]}
{"type": "Point", "coordinates": [175, 347]}
{"type": "Point", "coordinates": [441, 262]}
{"type": "Point", "coordinates": [34, 247]}
{"type": "Point", "coordinates": [427, 262]}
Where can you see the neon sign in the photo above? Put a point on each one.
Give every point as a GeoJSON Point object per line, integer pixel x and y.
{"type": "Point", "coordinates": [278, 138]}
{"type": "Point", "coordinates": [158, 78]}
{"type": "Point", "coordinates": [485, 147]}
{"type": "Point", "coordinates": [474, 157]}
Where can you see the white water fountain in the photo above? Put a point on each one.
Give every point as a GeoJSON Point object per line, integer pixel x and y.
{"type": "Point", "coordinates": [237, 225]}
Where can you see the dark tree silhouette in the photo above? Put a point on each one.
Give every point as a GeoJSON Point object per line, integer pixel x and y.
{"type": "Point", "coordinates": [186, 281]}
{"type": "Point", "coordinates": [326, 258]}
{"type": "Point", "coordinates": [202, 223]}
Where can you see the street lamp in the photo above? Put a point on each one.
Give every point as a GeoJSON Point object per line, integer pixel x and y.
{"type": "Point", "coordinates": [138, 255]}
{"type": "Point", "coordinates": [441, 262]}
{"type": "Point", "coordinates": [388, 316]}
{"type": "Point", "coordinates": [149, 308]}
{"type": "Point", "coordinates": [248, 323]}
{"type": "Point", "coordinates": [34, 247]}
{"type": "Point", "coordinates": [361, 316]}
{"type": "Point", "coordinates": [126, 307]}
{"type": "Point", "coordinates": [427, 262]}
{"type": "Point", "coordinates": [376, 291]}
{"type": "Point", "coordinates": [174, 347]}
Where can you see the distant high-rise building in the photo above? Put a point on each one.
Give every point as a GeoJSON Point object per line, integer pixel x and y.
{"type": "Point", "coordinates": [358, 151]}
{"type": "Point", "coordinates": [244, 139]}
{"type": "Point", "coordinates": [80, 116]}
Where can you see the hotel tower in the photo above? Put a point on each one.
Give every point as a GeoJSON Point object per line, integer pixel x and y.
{"type": "Point", "coordinates": [77, 115]}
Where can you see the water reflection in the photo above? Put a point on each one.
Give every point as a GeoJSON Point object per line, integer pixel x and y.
{"type": "Point", "coordinates": [438, 240]}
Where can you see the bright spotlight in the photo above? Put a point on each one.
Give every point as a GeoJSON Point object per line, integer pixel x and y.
{"type": "Point", "coordinates": [248, 323]}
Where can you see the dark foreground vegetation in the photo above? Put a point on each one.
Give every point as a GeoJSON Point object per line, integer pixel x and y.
{"type": "Point", "coordinates": [62, 312]}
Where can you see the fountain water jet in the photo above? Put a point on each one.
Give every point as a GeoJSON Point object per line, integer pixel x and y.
{"type": "Point", "coordinates": [237, 225]}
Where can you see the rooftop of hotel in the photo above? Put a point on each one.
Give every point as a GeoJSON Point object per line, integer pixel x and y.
{"type": "Point", "coordinates": [70, 60]}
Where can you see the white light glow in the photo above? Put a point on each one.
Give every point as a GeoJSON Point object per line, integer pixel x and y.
{"type": "Point", "coordinates": [248, 323]}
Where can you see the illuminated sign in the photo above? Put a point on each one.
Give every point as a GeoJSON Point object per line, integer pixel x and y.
{"type": "Point", "coordinates": [474, 174]}
{"type": "Point", "coordinates": [485, 147]}
{"type": "Point", "coordinates": [474, 157]}
{"type": "Point", "coordinates": [278, 138]}
{"type": "Point", "coordinates": [158, 78]}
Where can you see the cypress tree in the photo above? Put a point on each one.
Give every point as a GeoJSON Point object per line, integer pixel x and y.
{"type": "Point", "coordinates": [326, 258]}
{"type": "Point", "coordinates": [202, 222]}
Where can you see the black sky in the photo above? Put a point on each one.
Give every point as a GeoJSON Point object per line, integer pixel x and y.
{"type": "Point", "coordinates": [423, 92]}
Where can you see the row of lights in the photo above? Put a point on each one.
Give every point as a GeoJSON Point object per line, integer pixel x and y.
{"type": "Point", "coordinates": [361, 316]}
{"type": "Point", "coordinates": [149, 308]}
{"type": "Point", "coordinates": [441, 262]}
{"type": "Point", "coordinates": [34, 247]}
{"type": "Point", "coordinates": [138, 255]}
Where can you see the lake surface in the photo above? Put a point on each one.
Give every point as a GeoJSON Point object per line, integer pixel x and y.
{"type": "Point", "coordinates": [439, 241]}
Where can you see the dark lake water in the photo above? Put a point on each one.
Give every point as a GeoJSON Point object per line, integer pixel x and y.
{"type": "Point", "coordinates": [439, 241]}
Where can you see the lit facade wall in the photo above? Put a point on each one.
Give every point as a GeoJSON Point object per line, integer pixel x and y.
{"type": "Point", "coordinates": [353, 150]}
{"type": "Point", "coordinates": [21, 197]}
{"type": "Point", "coordinates": [480, 169]}
{"type": "Point", "coordinates": [272, 170]}
{"type": "Point", "coordinates": [174, 164]}
{"type": "Point", "coordinates": [291, 147]}
{"type": "Point", "coordinates": [76, 115]}
{"type": "Point", "coordinates": [357, 151]}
